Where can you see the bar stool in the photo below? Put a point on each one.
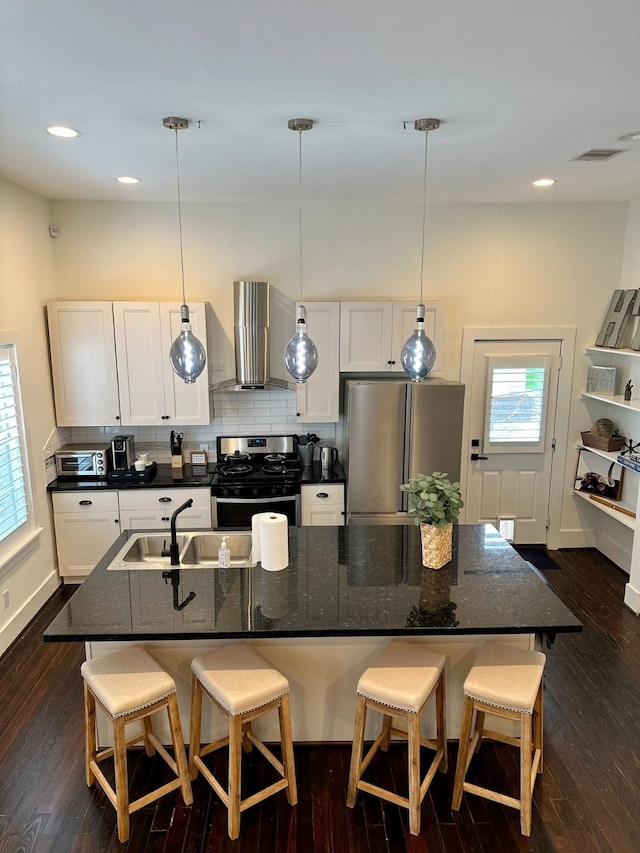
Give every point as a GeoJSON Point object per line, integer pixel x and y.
{"type": "Point", "coordinates": [129, 685]}
{"type": "Point", "coordinates": [504, 682]}
{"type": "Point", "coordinates": [399, 684]}
{"type": "Point", "coordinates": [242, 685]}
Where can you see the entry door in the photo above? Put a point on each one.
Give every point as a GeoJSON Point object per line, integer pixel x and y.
{"type": "Point", "coordinates": [513, 395]}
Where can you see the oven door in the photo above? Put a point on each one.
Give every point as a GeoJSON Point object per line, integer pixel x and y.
{"type": "Point", "coordinates": [236, 513]}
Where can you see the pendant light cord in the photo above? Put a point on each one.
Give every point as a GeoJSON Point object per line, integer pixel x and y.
{"type": "Point", "coordinates": [300, 203]}
{"type": "Point", "coordinates": [424, 210]}
{"type": "Point", "coordinates": [184, 299]}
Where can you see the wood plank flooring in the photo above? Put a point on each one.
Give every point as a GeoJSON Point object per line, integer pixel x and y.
{"type": "Point", "coordinates": [587, 800]}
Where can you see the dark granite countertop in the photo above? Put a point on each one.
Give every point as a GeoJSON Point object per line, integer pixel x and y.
{"type": "Point", "coordinates": [341, 581]}
{"type": "Point", "coordinates": [187, 477]}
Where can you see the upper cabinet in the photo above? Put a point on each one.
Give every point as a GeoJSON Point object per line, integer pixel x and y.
{"type": "Point", "coordinates": [83, 362]}
{"type": "Point", "coordinates": [110, 364]}
{"type": "Point", "coordinates": [317, 399]}
{"type": "Point", "coordinates": [372, 334]}
{"type": "Point", "coordinates": [150, 392]}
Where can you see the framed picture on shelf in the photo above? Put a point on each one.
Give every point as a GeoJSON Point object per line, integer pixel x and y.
{"type": "Point", "coordinates": [598, 476]}
{"type": "Point", "coordinates": [601, 380]}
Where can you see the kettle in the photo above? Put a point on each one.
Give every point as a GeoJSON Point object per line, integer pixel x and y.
{"type": "Point", "coordinates": [328, 455]}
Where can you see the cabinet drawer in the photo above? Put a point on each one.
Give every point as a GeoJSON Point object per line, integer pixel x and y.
{"type": "Point", "coordinates": [89, 501]}
{"type": "Point", "coordinates": [321, 494]}
{"type": "Point", "coordinates": [164, 498]}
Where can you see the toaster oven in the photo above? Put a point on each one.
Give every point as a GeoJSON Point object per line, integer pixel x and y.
{"type": "Point", "coordinates": [83, 460]}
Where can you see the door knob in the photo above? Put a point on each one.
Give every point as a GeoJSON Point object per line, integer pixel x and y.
{"type": "Point", "coordinates": [476, 456]}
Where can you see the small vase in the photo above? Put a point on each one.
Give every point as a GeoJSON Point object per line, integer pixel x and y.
{"type": "Point", "coordinates": [436, 545]}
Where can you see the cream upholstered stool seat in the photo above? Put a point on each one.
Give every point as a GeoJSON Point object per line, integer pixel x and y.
{"type": "Point", "coordinates": [129, 685]}
{"type": "Point", "coordinates": [242, 685]}
{"type": "Point", "coordinates": [506, 682]}
{"type": "Point", "coordinates": [399, 684]}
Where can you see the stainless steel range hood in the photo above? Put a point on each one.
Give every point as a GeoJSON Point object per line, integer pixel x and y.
{"type": "Point", "coordinates": [251, 332]}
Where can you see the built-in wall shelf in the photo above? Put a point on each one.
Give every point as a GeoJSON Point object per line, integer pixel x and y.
{"type": "Point", "coordinates": [610, 351]}
{"type": "Point", "coordinates": [618, 400]}
{"type": "Point", "coordinates": [612, 455]}
{"type": "Point", "coordinates": [610, 509]}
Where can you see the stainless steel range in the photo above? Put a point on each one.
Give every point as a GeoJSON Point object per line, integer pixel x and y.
{"type": "Point", "coordinates": [255, 474]}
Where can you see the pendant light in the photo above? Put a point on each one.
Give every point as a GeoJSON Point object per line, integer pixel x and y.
{"type": "Point", "coordinates": [300, 354]}
{"type": "Point", "coordinates": [419, 354]}
{"type": "Point", "coordinates": [186, 356]}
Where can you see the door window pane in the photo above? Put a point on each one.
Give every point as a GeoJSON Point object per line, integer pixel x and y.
{"type": "Point", "coordinates": [516, 404]}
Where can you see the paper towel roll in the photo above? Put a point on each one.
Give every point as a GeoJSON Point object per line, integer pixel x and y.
{"type": "Point", "coordinates": [274, 541]}
{"type": "Point", "coordinates": [255, 534]}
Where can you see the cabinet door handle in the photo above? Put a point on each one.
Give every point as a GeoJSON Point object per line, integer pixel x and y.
{"type": "Point", "coordinates": [85, 503]}
{"type": "Point", "coordinates": [322, 495]}
{"type": "Point", "coordinates": [164, 500]}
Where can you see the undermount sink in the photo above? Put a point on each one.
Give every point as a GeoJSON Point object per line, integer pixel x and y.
{"type": "Point", "coordinates": [197, 550]}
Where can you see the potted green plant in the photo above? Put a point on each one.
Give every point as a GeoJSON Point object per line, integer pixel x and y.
{"type": "Point", "coordinates": [435, 502]}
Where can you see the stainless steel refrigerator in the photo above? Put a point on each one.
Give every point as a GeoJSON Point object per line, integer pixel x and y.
{"type": "Point", "coordinates": [394, 430]}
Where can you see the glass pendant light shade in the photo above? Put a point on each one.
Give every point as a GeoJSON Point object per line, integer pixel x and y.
{"type": "Point", "coordinates": [300, 354]}
{"type": "Point", "coordinates": [187, 356]}
{"type": "Point", "coordinates": [418, 354]}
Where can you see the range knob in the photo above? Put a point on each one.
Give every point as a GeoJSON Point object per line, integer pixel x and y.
{"type": "Point", "coordinates": [237, 491]}
{"type": "Point", "coordinates": [256, 491]}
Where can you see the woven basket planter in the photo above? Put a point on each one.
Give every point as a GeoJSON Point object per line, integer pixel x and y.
{"type": "Point", "coordinates": [436, 545]}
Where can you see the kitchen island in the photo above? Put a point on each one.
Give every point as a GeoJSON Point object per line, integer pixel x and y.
{"type": "Point", "coordinates": [322, 620]}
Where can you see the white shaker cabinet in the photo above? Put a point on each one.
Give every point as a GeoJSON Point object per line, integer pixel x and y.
{"type": "Point", "coordinates": [83, 363]}
{"type": "Point", "coordinates": [149, 509]}
{"type": "Point", "coordinates": [372, 334]}
{"type": "Point", "coordinates": [322, 504]}
{"type": "Point", "coordinates": [150, 391]}
{"type": "Point", "coordinates": [317, 399]}
{"type": "Point", "coordinates": [87, 523]}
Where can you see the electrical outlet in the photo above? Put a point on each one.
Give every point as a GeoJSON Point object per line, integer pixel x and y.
{"type": "Point", "coordinates": [204, 446]}
{"type": "Point", "coordinates": [50, 469]}
{"type": "Point", "coordinates": [5, 598]}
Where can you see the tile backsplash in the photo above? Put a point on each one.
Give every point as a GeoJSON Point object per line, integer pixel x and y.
{"type": "Point", "coordinates": [234, 413]}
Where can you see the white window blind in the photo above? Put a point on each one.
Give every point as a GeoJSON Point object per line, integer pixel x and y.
{"type": "Point", "coordinates": [15, 498]}
{"type": "Point", "coordinates": [516, 404]}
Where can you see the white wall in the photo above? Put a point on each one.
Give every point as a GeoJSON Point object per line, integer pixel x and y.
{"type": "Point", "coordinates": [26, 282]}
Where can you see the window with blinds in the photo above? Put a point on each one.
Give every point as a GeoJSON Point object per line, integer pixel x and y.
{"type": "Point", "coordinates": [15, 493]}
{"type": "Point", "coordinates": [516, 404]}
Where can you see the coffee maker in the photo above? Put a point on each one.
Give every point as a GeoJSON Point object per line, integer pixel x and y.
{"type": "Point", "coordinates": [123, 452]}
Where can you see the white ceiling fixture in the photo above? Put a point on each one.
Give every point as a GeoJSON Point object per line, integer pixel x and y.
{"type": "Point", "coordinates": [62, 131]}
{"type": "Point", "coordinates": [419, 354]}
{"type": "Point", "coordinates": [187, 355]}
{"type": "Point", "coordinates": [545, 182]}
{"type": "Point", "coordinates": [127, 179]}
{"type": "Point", "coordinates": [633, 136]}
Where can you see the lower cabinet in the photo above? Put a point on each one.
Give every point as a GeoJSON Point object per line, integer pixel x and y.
{"type": "Point", "coordinates": [321, 504]}
{"type": "Point", "coordinates": [86, 525]}
{"type": "Point", "coordinates": [148, 509]}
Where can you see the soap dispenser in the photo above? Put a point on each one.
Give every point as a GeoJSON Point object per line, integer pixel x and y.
{"type": "Point", "coordinates": [224, 555]}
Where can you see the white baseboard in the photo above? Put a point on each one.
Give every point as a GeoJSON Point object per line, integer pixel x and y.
{"type": "Point", "coordinates": [28, 610]}
{"type": "Point", "coordinates": [632, 598]}
{"type": "Point", "coordinates": [577, 538]}
{"type": "Point", "coordinates": [607, 545]}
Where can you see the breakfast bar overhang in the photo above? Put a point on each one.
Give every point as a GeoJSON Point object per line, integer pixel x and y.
{"type": "Point", "coordinates": [323, 619]}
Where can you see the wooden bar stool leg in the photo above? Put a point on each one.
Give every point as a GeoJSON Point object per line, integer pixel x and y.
{"type": "Point", "coordinates": [149, 748]}
{"type": "Point", "coordinates": [356, 750]}
{"type": "Point", "coordinates": [234, 792]}
{"type": "Point", "coordinates": [122, 786]}
{"type": "Point", "coordinates": [463, 752]}
{"type": "Point", "coordinates": [90, 735]}
{"type": "Point", "coordinates": [479, 728]}
{"type": "Point", "coordinates": [441, 723]}
{"type": "Point", "coordinates": [247, 746]}
{"type": "Point", "coordinates": [414, 772]}
{"type": "Point", "coordinates": [538, 725]}
{"type": "Point", "coordinates": [386, 728]}
{"type": "Point", "coordinates": [178, 749]}
{"type": "Point", "coordinates": [526, 787]}
{"type": "Point", "coordinates": [286, 739]}
{"type": "Point", "coordinates": [194, 733]}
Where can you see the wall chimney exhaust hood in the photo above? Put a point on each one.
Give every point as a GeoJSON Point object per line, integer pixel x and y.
{"type": "Point", "coordinates": [252, 340]}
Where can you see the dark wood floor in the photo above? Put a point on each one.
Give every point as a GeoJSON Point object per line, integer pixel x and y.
{"type": "Point", "coordinates": [587, 801]}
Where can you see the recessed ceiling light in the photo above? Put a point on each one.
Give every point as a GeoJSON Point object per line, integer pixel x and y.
{"type": "Point", "coordinates": [64, 132]}
{"type": "Point", "coordinates": [126, 179]}
{"type": "Point", "coordinates": [634, 136]}
{"type": "Point", "coordinates": [544, 182]}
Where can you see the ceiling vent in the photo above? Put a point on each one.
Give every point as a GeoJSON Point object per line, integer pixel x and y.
{"type": "Point", "coordinates": [598, 154]}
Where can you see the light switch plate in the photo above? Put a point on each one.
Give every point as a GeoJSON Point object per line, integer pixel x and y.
{"type": "Point", "coordinates": [198, 457]}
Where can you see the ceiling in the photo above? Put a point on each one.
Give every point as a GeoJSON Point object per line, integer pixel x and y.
{"type": "Point", "coordinates": [521, 89]}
